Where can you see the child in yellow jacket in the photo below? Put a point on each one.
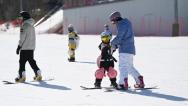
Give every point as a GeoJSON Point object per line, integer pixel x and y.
{"type": "Point", "coordinates": [73, 40]}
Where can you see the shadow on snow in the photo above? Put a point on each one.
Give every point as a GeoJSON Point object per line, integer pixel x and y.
{"type": "Point", "coordinates": [157, 95]}
{"type": "Point", "coordinates": [50, 86]}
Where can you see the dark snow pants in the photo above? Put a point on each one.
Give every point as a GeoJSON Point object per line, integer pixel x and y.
{"type": "Point", "coordinates": [27, 55]}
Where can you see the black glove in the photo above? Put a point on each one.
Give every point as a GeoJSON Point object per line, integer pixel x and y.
{"type": "Point", "coordinates": [113, 48]}
{"type": "Point", "coordinates": [18, 49]}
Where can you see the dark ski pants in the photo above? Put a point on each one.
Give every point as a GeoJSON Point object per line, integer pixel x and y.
{"type": "Point", "coordinates": [27, 55]}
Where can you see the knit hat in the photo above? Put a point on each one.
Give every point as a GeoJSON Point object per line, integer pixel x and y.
{"type": "Point", "coordinates": [25, 15]}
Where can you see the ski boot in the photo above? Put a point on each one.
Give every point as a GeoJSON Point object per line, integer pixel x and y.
{"type": "Point", "coordinates": [38, 76]}
{"type": "Point", "coordinates": [124, 86]}
{"type": "Point", "coordinates": [113, 83]}
{"type": "Point", "coordinates": [71, 59]}
{"type": "Point", "coordinates": [20, 78]}
{"type": "Point", "coordinates": [98, 83]}
{"type": "Point", "coordinates": [140, 84]}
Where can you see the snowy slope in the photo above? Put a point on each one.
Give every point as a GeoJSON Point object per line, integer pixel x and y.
{"type": "Point", "coordinates": [162, 60]}
{"type": "Point", "coordinates": [51, 24]}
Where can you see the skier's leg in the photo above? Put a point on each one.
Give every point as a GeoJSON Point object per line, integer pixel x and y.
{"type": "Point", "coordinates": [34, 66]}
{"type": "Point", "coordinates": [21, 74]}
{"type": "Point", "coordinates": [112, 74]}
{"type": "Point", "coordinates": [22, 62]}
{"type": "Point", "coordinates": [123, 76]}
{"type": "Point", "coordinates": [71, 53]}
{"type": "Point", "coordinates": [32, 62]}
{"type": "Point", "coordinates": [72, 45]}
{"type": "Point", "coordinates": [99, 74]}
{"type": "Point", "coordinates": [133, 72]}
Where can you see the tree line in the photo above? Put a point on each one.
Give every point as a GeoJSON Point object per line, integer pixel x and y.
{"type": "Point", "coordinates": [10, 9]}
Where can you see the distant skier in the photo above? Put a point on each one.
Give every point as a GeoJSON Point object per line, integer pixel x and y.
{"type": "Point", "coordinates": [107, 29]}
{"type": "Point", "coordinates": [73, 40]}
{"type": "Point", "coordinates": [26, 48]}
{"type": "Point", "coordinates": [125, 42]}
{"type": "Point", "coordinates": [105, 62]}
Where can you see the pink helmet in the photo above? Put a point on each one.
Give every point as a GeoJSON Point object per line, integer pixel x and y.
{"type": "Point", "coordinates": [114, 16]}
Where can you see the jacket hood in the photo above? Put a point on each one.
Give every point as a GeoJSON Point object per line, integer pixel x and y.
{"type": "Point", "coordinates": [30, 21]}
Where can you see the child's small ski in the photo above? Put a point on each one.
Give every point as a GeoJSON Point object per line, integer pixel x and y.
{"type": "Point", "coordinates": [92, 88]}
{"type": "Point", "coordinates": [88, 88]}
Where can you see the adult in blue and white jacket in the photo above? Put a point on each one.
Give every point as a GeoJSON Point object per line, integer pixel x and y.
{"type": "Point", "coordinates": [124, 41]}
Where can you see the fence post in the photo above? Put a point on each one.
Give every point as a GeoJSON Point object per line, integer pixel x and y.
{"type": "Point", "coordinates": [175, 25]}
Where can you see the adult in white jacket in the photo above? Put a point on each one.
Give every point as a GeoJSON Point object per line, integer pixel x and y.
{"type": "Point", "coordinates": [26, 48]}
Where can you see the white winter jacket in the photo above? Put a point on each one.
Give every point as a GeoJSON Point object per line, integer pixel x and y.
{"type": "Point", "coordinates": [27, 35]}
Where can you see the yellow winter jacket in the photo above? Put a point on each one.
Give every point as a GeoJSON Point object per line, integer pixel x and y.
{"type": "Point", "coordinates": [73, 37]}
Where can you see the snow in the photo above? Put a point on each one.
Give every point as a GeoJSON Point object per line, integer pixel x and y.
{"type": "Point", "coordinates": [55, 21]}
{"type": "Point", "coordinates": [162, 61]}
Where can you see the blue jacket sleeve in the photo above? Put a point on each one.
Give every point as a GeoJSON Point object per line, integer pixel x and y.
{"type": "Point", "coordinates": [122, 30]}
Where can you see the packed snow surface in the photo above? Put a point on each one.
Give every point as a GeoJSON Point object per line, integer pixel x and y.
{"type": "Point", "coordinates": [163, 61]}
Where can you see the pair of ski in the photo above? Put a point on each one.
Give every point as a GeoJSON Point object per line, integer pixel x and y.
{"type": "Point", "coordinates": [108, 89]}
{"type": "Point", "coordinates": [6, 82]}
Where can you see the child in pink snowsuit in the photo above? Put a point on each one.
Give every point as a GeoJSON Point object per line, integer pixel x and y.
{"type": "Point", "coordinates": [105, 62]}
